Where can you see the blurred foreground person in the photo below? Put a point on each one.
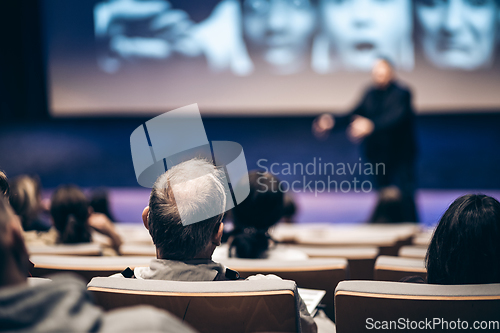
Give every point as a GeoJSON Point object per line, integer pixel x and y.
{"type": "Point", "coordinates": [262, 209]}
{"type": "Point", "coordinates": [383, 122]}
{"type": "Point", "coordinates": [184, 250]}
{"type": "Point", "coordinates": [61, 305]}
{"type": "Point", "coordinates": [465, 248]}
{"type": "Point", "coordinates": [26, 200]}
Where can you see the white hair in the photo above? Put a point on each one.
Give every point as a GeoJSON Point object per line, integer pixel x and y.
{"type": "Point", "coordinates": [199, 189]}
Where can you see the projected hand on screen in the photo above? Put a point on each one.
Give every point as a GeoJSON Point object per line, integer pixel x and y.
{"type": "Point", "coordinates": [141, 29]}
{"type": "Point", "coordinates": [357, 32]}
{"type": "Point", "coordinates": [458, 34]}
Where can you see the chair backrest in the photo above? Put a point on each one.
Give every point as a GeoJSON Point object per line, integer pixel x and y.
{"type": "Point", "coordinates": [370, 305]}
{"type": "Point", "coordinates": [322, 274]}
{"type": "Point", "coordinates": [416, 252]}
{"type": "Point", "coordinates": [389, 268]}
{"type": "Point", "coordinates": [213, 306]}
{"type": "Point", "coordinates": [361, 259]}
{"type": "Point", "coordinates": [423, 238]}
{"type": "Point", "coordinates": [36, 281]}
{"type": "Point", "coordinates": [86, 267]}
{"type": "Point", "coordinates": [87, 249]}
{"type": "Point", "coordinates": [133, 233]}
{"type": "Point", "coordinates": [138, 250]}
{"type": "Point", "coordinates": [387, 237]}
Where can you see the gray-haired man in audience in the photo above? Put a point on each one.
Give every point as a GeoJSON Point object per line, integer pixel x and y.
{"type": "Point", "coordinates": [62, 305]}
{"type": "Point", "coordinates": [184, 252]}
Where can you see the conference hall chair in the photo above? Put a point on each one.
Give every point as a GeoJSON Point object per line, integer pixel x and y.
{"type": "Point", "coordinates": [387, 237]}
{"type": "Point", "coordinates": [209, 306]}
{"type": "Point", "coordinates": [416, 252]}
{"type": "Point", "coordinates": [367, 306]}
{"type": "Point", "coordinates": [86, 267]}
{"type": "Point", "coordinates": [133, 233]}
{"type": "Point", "coordinates": [128, 249]}
{"type": "Point", "coordinates": [322, 274]}
{"type": "Point", "coordinates": [361, 259]}
{"type": "Point", "coordinates": [389, 268]}
{"type": "Point", "coordinates": [36, 281]}
{"type": "Point", "coordinates": [85, 249]}
{"type": "Point", "coordinates": [423, 238]}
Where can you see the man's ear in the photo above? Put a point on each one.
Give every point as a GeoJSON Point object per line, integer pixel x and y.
{"type": "Point", "coordinates": [217, 236]}
{"type": "Point", "coordinates": [145, 214]}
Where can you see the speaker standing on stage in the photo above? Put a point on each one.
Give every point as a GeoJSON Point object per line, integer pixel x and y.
{"type": "Point", "coordinates": [383, 122]}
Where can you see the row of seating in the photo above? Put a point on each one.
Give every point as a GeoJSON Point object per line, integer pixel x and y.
{"type": "Point", "coordinates": [323, 274]}
{"type": "Point", "coordinates": [271, 305]}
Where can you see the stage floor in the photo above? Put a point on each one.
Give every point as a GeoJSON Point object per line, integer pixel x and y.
{"type": "Point", "coordinates": [127, 205]}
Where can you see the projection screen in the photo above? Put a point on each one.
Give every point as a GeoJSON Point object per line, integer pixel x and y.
{"type": "Point", "coordinates": [266, 57]}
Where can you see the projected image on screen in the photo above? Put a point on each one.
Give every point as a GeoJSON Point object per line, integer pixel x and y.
{"type": "Point", "coordinates": [267, 56]}
{"type": "Point", "coordinates": [278, 34]}
{"type": "Point", "coordinates": [458, 34]}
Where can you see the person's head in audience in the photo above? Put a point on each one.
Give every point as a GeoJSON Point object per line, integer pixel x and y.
{"type": "Point", "coordinates": [25, 199]}
{"type": "Point", "coordinates": [14, 259]}
{"type": "Point", "coordinates": [289, 208]}
{"type": "Point", "coordinates": [4, 185]}
{"type": "Point", "coordinates": [389, 207]}
{"type": "Point", "coordinates": [70, 213]}
{"type": "Point", "coordinates": [465, 248]}
{"type": "Point", "coordinates": [99, 201]}
{"type": "Point", "coordinates": [191, 188]}
{"type": "Point", "coordinates": [255, 215]}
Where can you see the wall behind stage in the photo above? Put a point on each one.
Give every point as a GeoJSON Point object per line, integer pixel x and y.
{"type": "Point", "coordinates": [455, 151]}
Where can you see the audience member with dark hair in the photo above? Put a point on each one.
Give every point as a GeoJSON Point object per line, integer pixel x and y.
{"type": "Point", "coordinates": [4, 185]}
{"type": "Point", "coordinates": [61, 305]}
{"type": "Point", "coordinates": [189, 192]}
{"type": "Point", "coordinates": [389, 208]}
{"type": "Point", "coordinates": [252, 219]}
{"type": "Point", "coordinates": [465, 248]}
{"type": "Point", "coordinates": [26, 200]}
{"type": "Point", "coordinates": [289, 208]}
{"type": "Point", "coordinates": [73, 218]}
{"type": "Point", "coordinates": [70, 213]}
{"type": "Point", "coordinates": [99, 201]}
{"type": "Point", "coordinates": [262, 209]}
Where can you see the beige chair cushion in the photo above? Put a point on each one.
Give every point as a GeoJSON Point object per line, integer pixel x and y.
{"type": "Point", "coordinates": [322, 274]}
{"type": "Point", "coordinates": [389, 268]}
{"type": "Point", "coordinates": [86, 249]}
{"type": "Point", "coordinates": [416, 252]}
{"type": "Point", "coordinates": [86, 267]}
{"type": "Point", "coordinates": [363, 304]}
{"type": "Point", "coordinates": [212, 306]}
